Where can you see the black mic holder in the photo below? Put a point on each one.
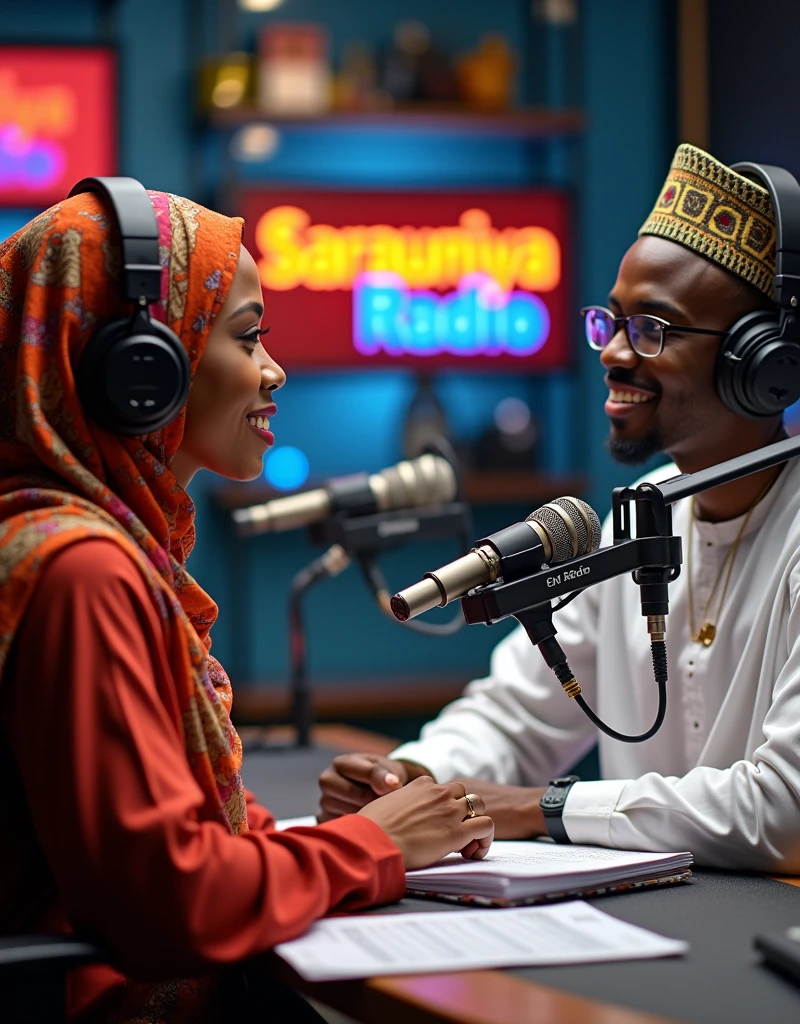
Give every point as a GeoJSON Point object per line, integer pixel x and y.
{"type": "Point", "coordinates": [364, 537]}
{"type": "Point", "coordinates": [383, 530]}
{"type": "Point", "coordinates": [653, 557]}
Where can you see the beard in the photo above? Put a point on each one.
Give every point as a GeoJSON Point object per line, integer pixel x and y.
{"type": "Point", "coordinates": [634, 451]}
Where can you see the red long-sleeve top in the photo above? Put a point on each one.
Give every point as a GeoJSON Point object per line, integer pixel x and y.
{"type": "Point", "coordinates": [99, 810]}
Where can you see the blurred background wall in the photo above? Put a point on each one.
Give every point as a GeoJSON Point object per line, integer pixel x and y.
{"type": "Point", "coordinates": [586, 97]}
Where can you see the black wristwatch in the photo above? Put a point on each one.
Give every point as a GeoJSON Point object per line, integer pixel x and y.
{"type": "Point", "coordinates": [552, 805]}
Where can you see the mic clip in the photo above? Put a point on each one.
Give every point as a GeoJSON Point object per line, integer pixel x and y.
{"type": "Point", "coordinates": [383, 530]}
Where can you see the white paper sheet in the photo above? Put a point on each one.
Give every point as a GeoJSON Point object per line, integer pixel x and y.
{"type": "Point", "coordinates": [306, 819]}
{"type": "Point", "coordinates": [565, 933]}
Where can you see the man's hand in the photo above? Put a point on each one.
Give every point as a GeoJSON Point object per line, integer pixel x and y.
{"type": "Point", "coordinates": [354, 780]}
{"type": "Point", "coordinates": [514, 809]}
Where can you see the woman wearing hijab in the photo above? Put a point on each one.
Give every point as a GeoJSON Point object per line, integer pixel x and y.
{"type": "Point", "coordinates": [123, 812]}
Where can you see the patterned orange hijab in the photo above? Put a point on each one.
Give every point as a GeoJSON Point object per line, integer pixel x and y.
{"type": "Point", "coordinates": [63, 478]}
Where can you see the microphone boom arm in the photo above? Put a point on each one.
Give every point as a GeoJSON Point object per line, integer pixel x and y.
{"type": "Point", "coordinates": [687, 484]}
{"type": "Point", "coordinates": [497, 601]}
{"type": "Point", "coordinates": [653, 557]}
{"type": "Point", "coordinates": [653, 547]}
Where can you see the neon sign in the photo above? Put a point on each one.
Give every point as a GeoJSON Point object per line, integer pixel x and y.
{"type": "Point", "coordinates": [27, 163]}
{"type": "Point", "coordinates": [477, 319]}
{"type": "Point", "coordinates": [56, 120]}
{"type": "Point", "coordinates": [380, 279]}
{"type": "Point", "coordinates": [320, 257]}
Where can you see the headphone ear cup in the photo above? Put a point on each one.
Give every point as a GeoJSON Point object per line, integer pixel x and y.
{"type": "Point", "coordinates": [133, 376]}
{"type": "Point", "coordinates": [757, 373]}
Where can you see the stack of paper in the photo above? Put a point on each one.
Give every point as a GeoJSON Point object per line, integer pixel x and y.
{"type": "Point", "coordinates": [565, 933]}
{"type": "Point", "coordinates": [522, 870]}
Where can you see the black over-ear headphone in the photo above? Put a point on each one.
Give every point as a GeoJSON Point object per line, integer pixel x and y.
{"type": "Point", "coordinates": [133, 376]}
{"type": "Point", "coordinates": [758, 367]}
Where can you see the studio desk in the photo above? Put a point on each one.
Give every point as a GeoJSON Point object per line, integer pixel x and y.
{"type": "Point", "coordinates": [719, 981]}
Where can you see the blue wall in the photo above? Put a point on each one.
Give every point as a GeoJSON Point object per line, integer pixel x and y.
{"type": "Point", "coordinates": [627, 151]}
{"type": "Point", "coordinates": [614, 64]}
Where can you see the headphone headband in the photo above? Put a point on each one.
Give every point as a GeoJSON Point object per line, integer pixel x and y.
{"type": "Point", "coordinates": [128, 198]}
{"type": "Point", "coordinates": [134, 373]}
{"type": "Point", "coordinates": [757, 374]}
{"type": "Point", "coordinates": [784, 191]}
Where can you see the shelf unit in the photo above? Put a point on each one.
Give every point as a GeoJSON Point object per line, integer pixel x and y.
{"type": "Point", "coordinates": [532, 122]}
{"type": "Point", "coordinates": [508, 486]}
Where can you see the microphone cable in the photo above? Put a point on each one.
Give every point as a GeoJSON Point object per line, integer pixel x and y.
{"type": "Point", "coordinates": [556, 660]}
{"type": "Point", "coordinates": [376, 581]}
{"type": "Point", "coordinates": [659, 654]}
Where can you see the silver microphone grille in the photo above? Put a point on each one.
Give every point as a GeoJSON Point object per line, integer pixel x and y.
{"type": "Point", "coordinates": [425, 480]}
{"type": "Point", "coordinates": [572, 525]}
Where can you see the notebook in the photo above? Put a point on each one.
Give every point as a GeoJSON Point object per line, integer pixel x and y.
{"type": "Point", "coordinates": [520, 873]}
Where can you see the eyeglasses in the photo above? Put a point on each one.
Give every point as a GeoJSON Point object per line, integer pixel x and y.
{"type": "Point", "coordinates": [645, 334]}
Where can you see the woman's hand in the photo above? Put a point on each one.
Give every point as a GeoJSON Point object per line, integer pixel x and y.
{"type": "Point", "coordinates": [427, 821]}
{"type": "Point", "coordinates": [352, 781]}
{"type": "Point", "coordinates": [515, 810]}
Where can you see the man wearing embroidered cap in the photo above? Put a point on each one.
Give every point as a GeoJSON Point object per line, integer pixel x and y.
{"type": "Point", "coordinates": [705, 258]}
{"type": "Point", "coordinates": [722, 776]}
{"type": "Point", "coordinates": [718, 213]}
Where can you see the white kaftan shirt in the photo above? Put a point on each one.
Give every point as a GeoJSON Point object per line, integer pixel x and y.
{"type": "Point", "coordinates": [722, 776]}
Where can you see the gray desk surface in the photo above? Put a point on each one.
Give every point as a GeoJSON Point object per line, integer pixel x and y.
{"type": "Point", "coordinates": [720, 980]}
{"type": "Point", "coordinates": [285, 781]}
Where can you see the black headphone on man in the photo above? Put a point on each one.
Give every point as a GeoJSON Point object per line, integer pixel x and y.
{"type": "Point", "coordinates": [133, 376]}
{"type": "Point", "coordinates": [757, 374]}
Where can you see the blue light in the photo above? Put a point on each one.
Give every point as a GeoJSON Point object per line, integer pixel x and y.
{"type": "Point", "coordinates": [285, 468]}
{"type": "Point", "coordinates": [791, 418]}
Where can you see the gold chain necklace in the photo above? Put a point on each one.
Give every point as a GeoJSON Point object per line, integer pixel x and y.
{"type": "Point", "coordinates": [706, 633]}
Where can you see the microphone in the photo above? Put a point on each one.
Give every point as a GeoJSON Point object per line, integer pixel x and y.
{"type": "Point", "coordinates": [563, 529]}
{"type": "Point", "coordinates": [426, 480]}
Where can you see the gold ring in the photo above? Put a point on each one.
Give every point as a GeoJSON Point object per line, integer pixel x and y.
{"type": "Point", "coordinates": [470, 806]}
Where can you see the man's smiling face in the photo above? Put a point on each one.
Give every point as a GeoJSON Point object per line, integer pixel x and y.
{"type": "Point", "coordinates": [669, 403]}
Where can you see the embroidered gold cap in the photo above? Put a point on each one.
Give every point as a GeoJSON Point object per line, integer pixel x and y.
{"type": "Point", "coordinates": [718, 213]}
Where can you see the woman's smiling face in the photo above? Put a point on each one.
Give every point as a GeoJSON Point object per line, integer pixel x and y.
{"type": "Point", "coordinates": [230, 401]}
